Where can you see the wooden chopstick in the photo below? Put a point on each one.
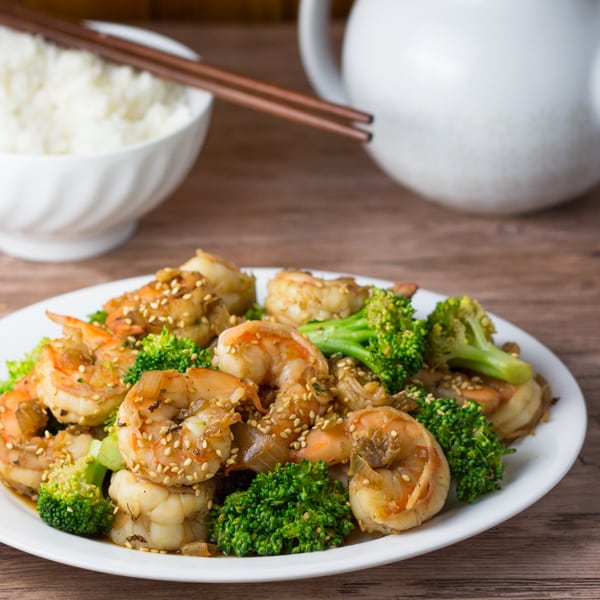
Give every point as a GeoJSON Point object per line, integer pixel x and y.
{"type": "Point", "coordinates": [235, 88]}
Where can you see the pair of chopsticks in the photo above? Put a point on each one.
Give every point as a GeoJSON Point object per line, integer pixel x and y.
{"type": "Point", "coordinates": [226, 85]}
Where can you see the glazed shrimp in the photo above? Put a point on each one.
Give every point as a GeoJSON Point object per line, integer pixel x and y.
{"type": "Point", "coordinates": [276, 357]}
{"type": "Point", "coordinates": [521, 406]}
{"type": "Point", "coordinates": [26, 450]}
{"type": "Point", "coordinates": [174, 428]}
{"type": "Point", "coordinates": [151, 516]}
{"type": "Point", "coordinates": [399, 474]}
{"type": "Point", "coordinates": [80, 376]}
{"type": "Point", "coordinates": [296, 297]}
{"type": "Point", "coordinates": [236, 288]}
{"type": "Point", "coordinates": [183, 301]}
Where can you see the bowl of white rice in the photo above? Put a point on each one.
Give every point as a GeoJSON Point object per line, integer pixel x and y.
{"type": "Point", "coordinates": [88, 147]}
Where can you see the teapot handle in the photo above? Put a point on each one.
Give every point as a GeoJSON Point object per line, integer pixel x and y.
{"type": "Point", "coordinates": [316, 50]}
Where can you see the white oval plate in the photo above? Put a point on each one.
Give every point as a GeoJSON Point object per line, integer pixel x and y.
{"type": "Point", "coordinates": [540, 462]}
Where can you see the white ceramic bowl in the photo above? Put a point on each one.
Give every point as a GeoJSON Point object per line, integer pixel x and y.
{"type": "Point", "coordinates": [69, 207]}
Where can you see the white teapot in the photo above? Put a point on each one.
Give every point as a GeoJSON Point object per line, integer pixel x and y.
{"type": "Point", "coordinates": [488, 106]}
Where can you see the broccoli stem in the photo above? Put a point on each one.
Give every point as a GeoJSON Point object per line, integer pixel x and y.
{"type": "Point", "coordinates": [109, 454]}
{"type": "Point", "coordinates": [330, 338]}
{"type": "Point", "coordinates": [95, 471]}
{"type": "Point", "coordinates": [486, 358]}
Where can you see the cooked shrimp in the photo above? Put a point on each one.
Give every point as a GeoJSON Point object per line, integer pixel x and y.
{"type": "Point", "coordinates": [183, 301]}
{"type": "Point", "coordinates": [174, 428]}
{"type": "Point", "coordinates": [277, 357]}
{"type": "Point", "coordinates": [329, 440]}
{"type": "Point", "coordinates": [80, 376]}
{"type": "Point", "coordinates": [296, 297]}
{"type": "Point", "coordinates": [521, 407]}
{"type": "Point", "coordinates": [154, 517]}
{"type": "Point", "coordinates": [236, 288]}
{"type": "Point", "coordinates": [399, 474]}
{"type": "Point", "coordinates": [514, 410]}
{"type": "Point", "coordinates": [25, 451]}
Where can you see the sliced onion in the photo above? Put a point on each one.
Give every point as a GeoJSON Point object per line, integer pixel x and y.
{"type": "Point", "coordinates": [150, 384]}
{"type": "Point", "coordinates": [199, 549]}
{"type": "Point", "coordinates": [258, 451]}
{"type": "Point", "coordinates": [359, 467]}
{"type": "Point", "coordinates": [31, 417]}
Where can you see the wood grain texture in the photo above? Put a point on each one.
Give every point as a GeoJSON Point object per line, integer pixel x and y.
{"type": "Point", "coordinates": [265, 192]}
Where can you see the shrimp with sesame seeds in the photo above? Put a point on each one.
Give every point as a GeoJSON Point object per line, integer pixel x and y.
{"type": "Point", "coordinates": [27, 449]}
{"type": "Point", "coordinates": [235, 287]}
{"type": "Point", "coordinates": [80, 376]}
{"type": "Point", "coordinates": [296, 297]}
{"type": "Point", "coordinates": [399, 476]}
{"type": "Point", "coordinates": [153, 517]}
{"type": "Point", "coordinates": [289, 371]}
{"type": "Point", "coordinates": [174, 428]}
{"type": "Point", "coordinates": [183, 301]}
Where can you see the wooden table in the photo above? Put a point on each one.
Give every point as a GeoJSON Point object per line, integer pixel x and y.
{"type": "Point", "coordinates": [265, 192]}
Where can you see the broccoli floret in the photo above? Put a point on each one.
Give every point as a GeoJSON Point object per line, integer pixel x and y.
{"type": "Point", "coordinates": [383, 335]}
{"type": "Point", "coordinates": [167, 351]}
{"type": "Point", "coordinates": [255, 313]}
{"type": "Point", "coordinates": [473, 450]}
{"type": "Point", "coordinates": [17, 369]}
{"type": "Point", "coordinates": [460, 335]}
{"type": "Point", "coordinates": [294, 508]}
{"type": "Point", "coordinates": [71, 498]}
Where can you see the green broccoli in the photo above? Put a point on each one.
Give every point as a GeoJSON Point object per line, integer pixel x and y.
{"type": "Point", "coordinates": [294, 508]}
{"type": "Point", "coordinates": [109, 454]}
{"type": "Point", "coordinates": [98, 317]}
{"type": "Point", "coordinates": [460, 335]}
{"type": "Point", "coordinates": [167, 351]}
{"type": "Point", "coordinates": [383, 335]}
{"type": "Point", "coordinates": [17, 369]}
{"type": "Point", "coordinates": [71, 498]}
{"type": "Point", "coordinates": [473, 450]}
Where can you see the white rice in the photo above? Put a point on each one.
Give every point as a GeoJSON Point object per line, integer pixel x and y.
{"type": "Point", "coordinates": [63, 101]}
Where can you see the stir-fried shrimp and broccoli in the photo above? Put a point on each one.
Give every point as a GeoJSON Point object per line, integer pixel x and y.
{"type": "Point", "coordinates": [188, 416]}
